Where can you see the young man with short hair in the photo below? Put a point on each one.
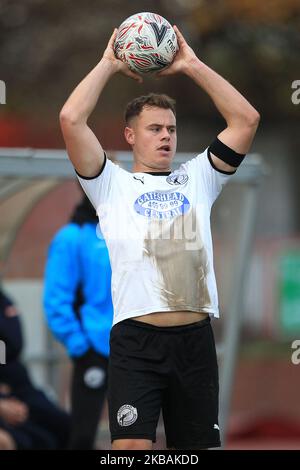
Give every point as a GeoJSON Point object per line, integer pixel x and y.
{"type": "Point", "coordinates": [157, 227]}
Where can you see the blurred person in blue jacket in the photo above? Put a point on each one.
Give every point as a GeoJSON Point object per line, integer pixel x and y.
{"type": "Point", "coordinates": [79, 311]}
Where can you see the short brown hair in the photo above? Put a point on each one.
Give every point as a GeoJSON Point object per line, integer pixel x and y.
{"type": "Point", "coordinates": [158, 100]}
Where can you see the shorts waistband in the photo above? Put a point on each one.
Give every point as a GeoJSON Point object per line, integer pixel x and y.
{"type": "Point", "coordinates": [166, 329]}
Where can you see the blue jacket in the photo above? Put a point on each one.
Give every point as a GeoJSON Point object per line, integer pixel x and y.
{"type": "Point", "coordinates": [78, 258]}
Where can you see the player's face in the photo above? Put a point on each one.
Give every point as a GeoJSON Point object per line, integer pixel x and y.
{"type": "Point", "coordinates": [153, 138]}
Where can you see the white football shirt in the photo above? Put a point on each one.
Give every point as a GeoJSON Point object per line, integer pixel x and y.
{"type": "Point", "coordinates": [157, 230]}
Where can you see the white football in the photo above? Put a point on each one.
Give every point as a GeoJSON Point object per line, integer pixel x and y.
{"type": "Point", "coordinates": [146, 42]}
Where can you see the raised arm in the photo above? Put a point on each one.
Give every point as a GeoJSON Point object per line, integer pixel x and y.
{"type": "Point", "coordinates": [83, 147]}
{"type": "Point", "coordinates": [240, 116]}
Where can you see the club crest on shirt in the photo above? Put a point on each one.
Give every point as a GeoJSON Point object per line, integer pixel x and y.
{"type": "Point", "coordinates": [161, 204]}
{"type": "Point", "coordinates": [177, 178]}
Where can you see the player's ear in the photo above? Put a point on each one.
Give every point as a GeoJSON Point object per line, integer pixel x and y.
{"type": "Point", "coordinates": [129, 135]}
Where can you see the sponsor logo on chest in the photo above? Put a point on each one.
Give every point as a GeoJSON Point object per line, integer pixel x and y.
{"type": "Point", "coordinates": [161, 204]}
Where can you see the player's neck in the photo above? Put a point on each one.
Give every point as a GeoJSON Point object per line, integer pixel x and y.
{"type": "Point", "coordinates": [141, 168]}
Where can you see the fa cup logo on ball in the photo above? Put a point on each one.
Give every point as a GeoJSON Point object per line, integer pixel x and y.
{"type": "Point", "coordinates": [146, 42]}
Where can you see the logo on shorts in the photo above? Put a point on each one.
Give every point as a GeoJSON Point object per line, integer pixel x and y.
{"type": "Point", "coordinates": [216, 427]}
{"type": "Point", "coordinates": [94, 377]}
{"type": "Point", "coordinates": [127, 415]}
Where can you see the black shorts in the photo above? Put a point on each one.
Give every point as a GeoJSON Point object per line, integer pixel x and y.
{"type": "Point", "coordinates": [173, 369]}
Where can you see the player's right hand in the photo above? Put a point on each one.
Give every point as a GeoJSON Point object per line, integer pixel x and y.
{"type": "Point", "coordinates": [183, 58]}
{"type": "Point", "coordinates": [109, 54]}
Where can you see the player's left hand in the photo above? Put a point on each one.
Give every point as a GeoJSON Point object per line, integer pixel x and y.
{"type": "Point", "coordinates": [183, 58]}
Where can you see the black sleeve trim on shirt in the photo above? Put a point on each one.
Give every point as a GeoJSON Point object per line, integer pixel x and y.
{"type": "Point", "coordinates": [226, 154]}
{"type": "Point", "coordinates": [96, 176]}
{"type": "Point", "coordinates": [214, 166]}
